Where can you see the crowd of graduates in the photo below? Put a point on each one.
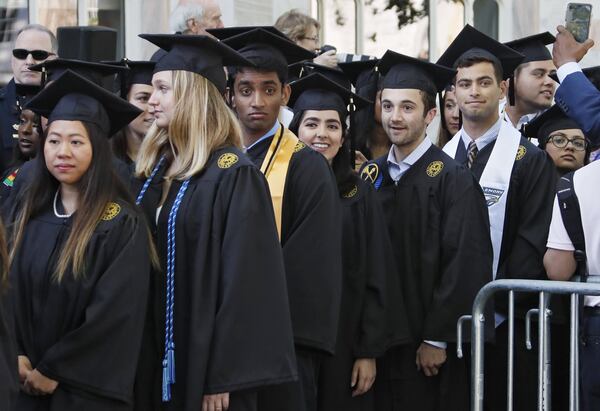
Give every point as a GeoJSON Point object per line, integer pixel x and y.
{"type": "Point", "coordinates": [243, 224]}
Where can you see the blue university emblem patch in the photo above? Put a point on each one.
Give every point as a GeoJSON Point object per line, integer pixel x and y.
{"type": "Point", "coordinates": [492, 195]}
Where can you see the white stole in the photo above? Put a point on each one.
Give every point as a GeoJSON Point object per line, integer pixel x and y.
{"type": "Point", "coordinates": [495, 180]}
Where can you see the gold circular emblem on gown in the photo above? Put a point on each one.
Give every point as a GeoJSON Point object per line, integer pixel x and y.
{"type": "Point", "coordinates": [351, 193]}
{"type": "Point", "coordinates": [434, 168]}
{"type": "Point", "coordinates": [521, 152]}
{"type": "Point", "coordinates": [111, 211]}
{"type": "Point", "coordinates": [370, 173]}
{"type": "Point", "coordinates": [227, 160]}
{"type": "Point", "coordinates": [299, 146]}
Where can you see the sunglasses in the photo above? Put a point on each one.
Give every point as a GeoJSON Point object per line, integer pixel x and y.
{"type": "Point", "coordinates": [22, 54]}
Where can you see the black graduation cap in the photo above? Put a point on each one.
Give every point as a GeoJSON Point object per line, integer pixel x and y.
{"type": "Point", "coordinates": [158, 54]}
{"type": "Point", "coordinates": [225, 33]}
{"type": "Point", "coordinates": [592, 73]}
{"type": "Point", "coordinates": [472, 42]}
{"type": "Point", "coordinates": [356, 69]}
{"type": "Point", "coordinates": [303, 69]}
{"type": "Point", "coordinates": [317, 92]}
{"type": "Point", "coordinates": [95, 72]}
{"type": "Point", "coordinates": [549, 121]}
{"type": "Point", "coordinates": [140, 72]}
{"type": "Point", "coordinates": [533, 47]}
{"type": "Point", "coordinates": [268, 51]}
{"type": "Point", "coordinates": [400, 71]}
{"type": "Point", "coordinates": [73, 97]}
{"type": "Point", "coordinates": [199, 54]}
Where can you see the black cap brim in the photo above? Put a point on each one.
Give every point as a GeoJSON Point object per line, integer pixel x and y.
{"type": "Point", "coordinates": [592, 73]}
{"type": "Point", "coordinates": [400, 71]}
{"type": "Point", "coordinates": [90, 70]}
{"type": "Point", "coordinates": [549, 121]}
{"type": "Point", "coordinates": [533, 47]}
{"type": "Point", "coordinates": [470, 38]}
{"type": "Point", "coordinates": [227, 32]}
{"type": "Point", "coordinates": [303, 69]}
{"type": "Point", "coordinates": [119, 112]}
{"type": "Point", "coordinates": [321, 86]}
{"type": "Point", "coordinates": [355, 68]}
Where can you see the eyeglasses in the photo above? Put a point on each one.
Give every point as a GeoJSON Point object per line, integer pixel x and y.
{"type": "Point", "coordinates": [315, 39]}
{"type": "Point", "coordinates": [22, 54]}
{"type": "Point", "coordinates": [579, 144]}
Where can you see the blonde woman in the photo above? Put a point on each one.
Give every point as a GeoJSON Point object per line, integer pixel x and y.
{"type": "Point", "coordinates": [220, 321]}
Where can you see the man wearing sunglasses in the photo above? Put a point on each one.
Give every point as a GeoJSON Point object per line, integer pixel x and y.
{"type": "Point", "coordinates": [34, 44]}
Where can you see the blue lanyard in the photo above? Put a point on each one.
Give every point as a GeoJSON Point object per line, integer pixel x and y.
{"type": "Point", "coordinates": [168, 362]}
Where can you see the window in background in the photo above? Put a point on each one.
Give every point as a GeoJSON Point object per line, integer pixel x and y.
{"type": "Point", "coordinates": [338, 24]}
{"type": "Point", "coordinates": [485, 17]}
{"type": "Point", "coordinates": [56, 13]}
{"type": "Point", "coordinates": [108, 13]}
{"type": "Point", "coordinates": [13, 16]}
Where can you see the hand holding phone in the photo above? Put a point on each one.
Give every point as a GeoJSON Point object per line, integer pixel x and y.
{"type": "Point", "coordinates": [578, 19]}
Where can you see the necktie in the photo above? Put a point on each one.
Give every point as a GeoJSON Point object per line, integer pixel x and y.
{"type": "Point", "coordinates": [471, 153]}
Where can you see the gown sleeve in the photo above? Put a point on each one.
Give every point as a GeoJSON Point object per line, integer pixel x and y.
{"type": "Point", "coordinates": [100, 356]}
{"type": "Point", "coordinates": [383, 321]}
{"type": "Point", "coordinates": [252, 342]}
{"type": "Point", "coordinates": [465, 258]}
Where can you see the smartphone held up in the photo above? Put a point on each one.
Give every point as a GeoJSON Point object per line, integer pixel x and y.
{"type": "Point", "coordinates": [578, 19]}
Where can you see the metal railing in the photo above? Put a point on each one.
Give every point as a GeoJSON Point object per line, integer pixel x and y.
{"type": "Point", "coordinates": [544, 288]}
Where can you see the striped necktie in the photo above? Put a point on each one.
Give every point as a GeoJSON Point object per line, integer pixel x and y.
{"type": "Point", "coordinates": [471, 153]}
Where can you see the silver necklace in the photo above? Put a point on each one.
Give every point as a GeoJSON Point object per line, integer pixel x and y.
{"type": "Point", "coordinates": [56, 211]}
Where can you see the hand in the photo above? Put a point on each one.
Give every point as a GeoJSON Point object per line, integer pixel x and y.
{"type": "Point", "coordinates": [566, 49]}
{"type": "Point", "coordinates": [38, 384]}
{"type": "Point", "coordinates": [430, 359]}
{"type": "Point", "coordinates": [359, 160]}
{"type": "Point", "coordinates": [215, 402]}
{"type": "Point", "coordinates": [25, 368]}
{"type": "Point", "coordinates": [328, 59]}
{"type": "Point", "coordinates": [363, 375]}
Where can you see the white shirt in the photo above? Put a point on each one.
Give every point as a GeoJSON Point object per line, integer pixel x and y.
{"type": "Point", "coordinates": [397, 167]}
{"type": "Point", "coordinates": [585, 182]}
{"type": "Point", "coordinates": [490, 135]}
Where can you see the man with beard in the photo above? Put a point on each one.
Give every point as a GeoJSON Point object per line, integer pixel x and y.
{"type": "Point", "coordinates": [437, 220]}
{"type": "Point", "coordinates": [531, 89]}
{"type": "Point", "coordinates": [518, 180]}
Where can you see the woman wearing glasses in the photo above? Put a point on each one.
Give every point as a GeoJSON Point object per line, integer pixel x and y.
{"type": "Point", "coordinates": [562, 138]}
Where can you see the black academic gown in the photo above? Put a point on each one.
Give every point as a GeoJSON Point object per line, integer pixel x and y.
{"type": "Point", "coordinates": [8, 356]}
{"type": "Point", "coordinates": [84, 333]}
{"type": "Point", "coordinates": [311, 243]}
{"type": "Point", "coordinates": [9, 116]}
{"type": "Point", "coordinates": [528, 213]}
{"type": "Point", "coordinates": [232, 327]}
{"type": "Point", "coordinates": [439, 228]}
{"type": "Point", "coordinates": [371, 318]}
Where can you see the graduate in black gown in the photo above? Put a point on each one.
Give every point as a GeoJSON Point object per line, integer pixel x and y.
{"type": "Point", "coordinates": [219, 325]}
{"type": "Point", "coordinates": [438, 224]}
{"type": "Point", "coordinates": [8, 352]}
{"type": "Point", "coordinates": [80, 259]}
{"type": "Point", "coordinates": [371, 319]}
{"type": "Point", "coordinates": [519, 181]}
{"type": "Point", "coordinates": [305, 202]}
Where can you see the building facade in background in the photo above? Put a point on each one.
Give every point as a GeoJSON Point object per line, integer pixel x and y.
{"type": "Point", "coordinates": [353, 26]}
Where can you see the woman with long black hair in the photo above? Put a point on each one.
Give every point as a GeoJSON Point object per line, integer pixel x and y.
{"type": "Point", "coordinates": [80, 258]}
{"type": "Point", "coordinates": [369, 324]}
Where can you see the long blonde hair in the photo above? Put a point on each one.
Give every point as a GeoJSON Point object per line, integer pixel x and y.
{"type": "Point", "coordinates": [201, 124]}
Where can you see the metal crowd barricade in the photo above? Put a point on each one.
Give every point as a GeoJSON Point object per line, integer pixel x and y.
{"type": "Point", "coordinates": [544, 288]}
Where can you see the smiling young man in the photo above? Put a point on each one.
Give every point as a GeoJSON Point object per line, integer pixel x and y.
{"type": "Point", "coordinates": [531, 89]}
{"type": "Point", "coordinates": [305, 203]}
{"type": "Point", "coordinates": [518, 180]}
{"type": "Point", "coordinates": [436, 216]}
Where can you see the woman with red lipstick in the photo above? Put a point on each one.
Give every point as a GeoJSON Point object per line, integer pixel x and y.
{"type": "Point", "coordinates": [365, 330]}
{"type": "Point", "coordinates": [80, 258]}
{"type": "Point", "coordinates": [562, 138]}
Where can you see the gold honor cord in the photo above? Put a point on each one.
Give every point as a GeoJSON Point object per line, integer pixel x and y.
{"type": "Point", "coordinates": [275, 168]}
